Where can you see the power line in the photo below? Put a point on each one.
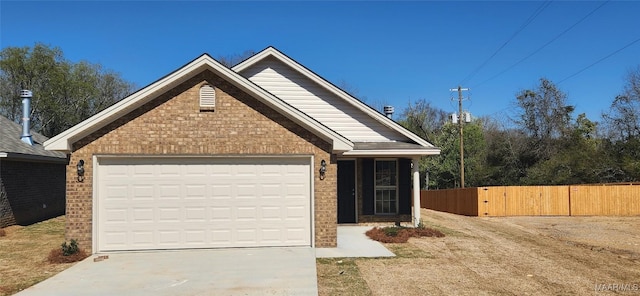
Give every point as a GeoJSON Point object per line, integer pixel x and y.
{"type": "Point", "coordinates": [524, 25]}
{"type": "Point", "coordinates": [600, 60]}
{"type": "Point", "coordinates": [546, 44]}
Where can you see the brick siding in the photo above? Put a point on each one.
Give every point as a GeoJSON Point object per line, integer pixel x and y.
{"type": "Point", "coordinates": [30, 192]}
{"type": "Point", "coordinates": [172, 124]}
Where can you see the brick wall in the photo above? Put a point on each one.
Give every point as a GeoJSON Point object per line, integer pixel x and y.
{"type": "Point", "coordinates": [173, 124]}
{"type": "Point", "coordinates": [30, 192]}
{"type": "Point", "coordinates": [6, 213]}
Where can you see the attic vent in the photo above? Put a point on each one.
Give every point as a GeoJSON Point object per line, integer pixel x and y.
{"type": "Point", "coordinates": [207, 97]}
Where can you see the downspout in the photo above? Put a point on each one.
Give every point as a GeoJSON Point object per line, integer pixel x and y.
{"type": "Point", "coordinates": [26, 112]}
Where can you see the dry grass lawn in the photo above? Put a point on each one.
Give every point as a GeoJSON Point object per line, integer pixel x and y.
{"type": "Point", "coordinates": [499, 256]}
{"type": "Point", "coordinates": [24, 251]}
{"type": "Point", "coordinates": [340, 277]}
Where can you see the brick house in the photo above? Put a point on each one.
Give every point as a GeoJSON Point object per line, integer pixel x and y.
{"type": "Point", "coordinates": [264, 154]}
{"type": "Point", "coordinates": [32, 179]}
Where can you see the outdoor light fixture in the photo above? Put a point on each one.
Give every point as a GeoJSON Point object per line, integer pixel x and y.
{"type": "Point", "coordinates": [323, 169]}
{"type": "Point", "coordinates": [80, 167]}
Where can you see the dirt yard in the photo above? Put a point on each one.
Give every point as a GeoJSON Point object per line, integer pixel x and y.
{"type": "Point", "coordinates": [500, 256]}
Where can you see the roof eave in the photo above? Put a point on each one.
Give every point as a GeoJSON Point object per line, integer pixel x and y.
{"type": "Point", "coordinates": [393, 152]}
{"type": "Point", "coordinates": [64, 140]}
{"type": "Point", "coordinates": [271, 51]}
{"type": "Point", "coordinates": [32, 157]}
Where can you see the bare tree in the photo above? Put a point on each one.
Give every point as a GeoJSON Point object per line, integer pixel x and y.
{"type": "Point", "coordinates": [423, 119]}
{"type": "Point", "coordinates": [234, 59]}
{"type": "Point", "coordinates": [623, 121]}
{"type": "Point", "coordinates": [545, 116]}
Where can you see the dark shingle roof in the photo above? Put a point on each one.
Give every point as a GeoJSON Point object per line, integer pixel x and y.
{"type": "Point", "coordinates": [12, 147]}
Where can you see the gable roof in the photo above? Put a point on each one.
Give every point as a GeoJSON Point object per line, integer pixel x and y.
{"type": "Point", "coordinates": [64, 141]}
{"type": "Point", "coordinates": [421, 144]}
{"type": "Point", "coordinates": [11, 147]}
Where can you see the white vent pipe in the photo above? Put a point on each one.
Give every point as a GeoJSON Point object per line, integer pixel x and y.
{"type": "Point", "coordinates": [26, 112]}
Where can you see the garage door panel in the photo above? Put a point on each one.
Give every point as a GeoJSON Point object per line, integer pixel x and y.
{"type": "Point", "coordinates": [168, 238]}
{"type": "Point", "coordinates": [203, 203]}
{"type": "Point", "coordinates": [221, 214]}
{"type": "Point", "coordinates": [246, 214]}
{"type": "Point", "coordinates": [117, 239]}
{"type": "Point", "coordinates": [169, 214]}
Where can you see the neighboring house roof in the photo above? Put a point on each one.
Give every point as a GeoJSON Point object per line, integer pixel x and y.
{"type": "Point", "coordinates": [12, 147]}
{"type": "Point", "coordinates": [64, 140]}
{"type": "Point", "coordinates": [372, 132]}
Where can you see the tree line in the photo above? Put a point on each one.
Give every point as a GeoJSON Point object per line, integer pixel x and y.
{"type": "Point", "coordinates": [545, 144]}
{"type": "Point", "coordinates": [65, 92]}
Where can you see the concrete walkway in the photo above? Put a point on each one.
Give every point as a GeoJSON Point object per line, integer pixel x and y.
{"type": "Point", "coordinates": [353, 242]}
{"type": "Point", "coordinates": [246, 271]}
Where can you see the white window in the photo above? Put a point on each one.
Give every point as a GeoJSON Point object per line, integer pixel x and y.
{"type": "Point", "coordinates": [386, 186]}
{"type": "Point", "coordinates": [207, 97]}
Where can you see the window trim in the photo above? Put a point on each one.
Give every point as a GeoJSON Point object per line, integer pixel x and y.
{"type": "Point", "coordinates": [375, 188]}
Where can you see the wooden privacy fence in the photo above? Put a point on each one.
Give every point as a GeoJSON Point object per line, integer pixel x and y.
{"type": "Point", "coordinates": [574, 200]}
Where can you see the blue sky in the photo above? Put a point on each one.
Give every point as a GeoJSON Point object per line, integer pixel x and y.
{"type": "Point", "coordinates": [389, 52]}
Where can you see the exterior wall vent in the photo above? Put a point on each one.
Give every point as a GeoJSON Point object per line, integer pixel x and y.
{"type": "Point", "coordinates": [207, 97]}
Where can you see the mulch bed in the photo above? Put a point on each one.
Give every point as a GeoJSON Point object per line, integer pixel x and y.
{"type": "Point", "coordinates": [397, 234]}
{"type": "Point", "coordinates": [56, 256]}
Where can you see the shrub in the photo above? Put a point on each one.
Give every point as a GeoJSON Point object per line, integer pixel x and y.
{"type": "Point", "coordinates": [67, 253]}
{"type": "Point", "coordinates": [70, 249]}
{"type": "Point", "coordinates": [2, 232]}
{"type": "Point", "coordinates": [391, 231]}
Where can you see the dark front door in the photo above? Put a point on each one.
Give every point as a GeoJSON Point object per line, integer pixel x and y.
{"type": "Point", "coordinates": [346, 191]}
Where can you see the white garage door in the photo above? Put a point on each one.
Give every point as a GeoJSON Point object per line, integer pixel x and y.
{"type": "Point", "coordinates": [158, 203]}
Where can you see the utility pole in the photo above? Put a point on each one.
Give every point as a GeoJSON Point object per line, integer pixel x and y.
{"type": "Point", "coordinates": [461, 118]}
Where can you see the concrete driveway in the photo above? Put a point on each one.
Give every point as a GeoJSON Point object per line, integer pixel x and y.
{"type": "Point", "coordinates": [250, 271]}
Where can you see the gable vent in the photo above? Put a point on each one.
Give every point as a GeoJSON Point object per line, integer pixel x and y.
{"type": "Point", "coordinates": [207, 97]}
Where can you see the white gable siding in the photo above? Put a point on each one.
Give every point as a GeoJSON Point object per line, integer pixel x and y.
{"type": "Point", "coordinates": [318, 102]}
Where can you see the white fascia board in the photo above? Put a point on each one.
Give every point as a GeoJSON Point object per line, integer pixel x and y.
{"type": "Point", "coordinates": [63, 141]}
{"type": "Point", "coordinates": [254, 59]}
{"type": "Point", "coordinates": [270, 51]}
{"type": "Point", "coordinates": [395, 152]}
